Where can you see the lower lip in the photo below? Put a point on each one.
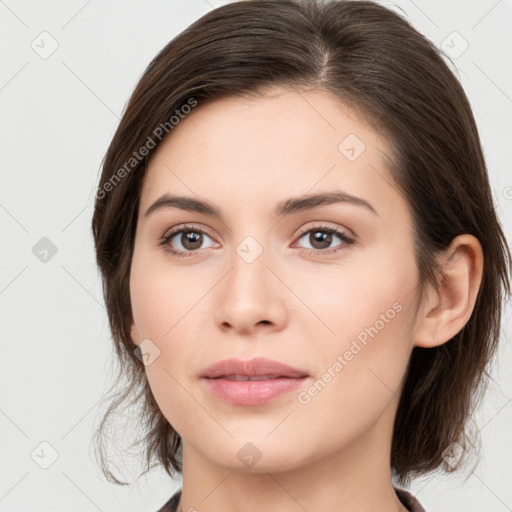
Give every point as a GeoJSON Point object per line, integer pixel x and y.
{"type": "Point", "coordinates": [251, 392]}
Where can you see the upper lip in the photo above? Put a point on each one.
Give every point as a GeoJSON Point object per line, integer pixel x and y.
{"type": "Point", "coordinates": [258, 366]}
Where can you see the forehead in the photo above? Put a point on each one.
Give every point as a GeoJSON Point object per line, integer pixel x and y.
{"type": "Point", "coordinates": [256, 146]}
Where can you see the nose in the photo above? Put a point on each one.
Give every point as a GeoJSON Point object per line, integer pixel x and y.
{"type": "Point", "coordinates": [251, 297]}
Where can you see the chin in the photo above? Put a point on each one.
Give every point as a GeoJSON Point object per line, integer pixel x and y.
{"type": "Point", "coordinates": [257, 457]}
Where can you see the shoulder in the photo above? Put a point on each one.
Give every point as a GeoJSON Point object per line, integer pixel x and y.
{"type": "Point", "coordinates": [172, 504]}
{"type": "Point", "coordinates": [408, 500]}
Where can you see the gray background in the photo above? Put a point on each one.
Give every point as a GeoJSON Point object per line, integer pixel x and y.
{"type": "Point", "coordinates": [58, 115]}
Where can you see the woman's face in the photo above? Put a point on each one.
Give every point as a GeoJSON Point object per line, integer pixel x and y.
{"type": "Point", "coordinates": [251, 283]}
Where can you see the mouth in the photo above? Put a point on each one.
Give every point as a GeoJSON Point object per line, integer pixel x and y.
{"type": "Point", "coordinates": [252, 377]}
{"type": "Point", "coordinates": [251, 392]}
{"type": "Point", "coordinates": [259, 368]}
{"type": "Point", "coordinates": [251, 383]}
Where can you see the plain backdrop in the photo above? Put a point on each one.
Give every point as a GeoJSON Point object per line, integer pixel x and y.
{"type": "Point", "coordinates": [67, 70]}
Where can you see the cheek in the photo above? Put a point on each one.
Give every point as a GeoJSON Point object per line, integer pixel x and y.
{"type": "Point", "coordinates": [367, 296]}
{"type": "Point", "coordinates": [163, 304]}
{"type": "Point", "coordinates": [360, 371]}
{"type": "Point", "coordinates": [162, 297]}
{"type": "Point", "coordinates": [369, 312]}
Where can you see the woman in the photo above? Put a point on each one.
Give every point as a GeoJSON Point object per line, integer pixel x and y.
{"type": "Point", "coordinates": [302, 265]}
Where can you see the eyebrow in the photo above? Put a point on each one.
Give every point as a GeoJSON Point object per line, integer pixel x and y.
{"type": "Point", "coordinates": [284, 208]}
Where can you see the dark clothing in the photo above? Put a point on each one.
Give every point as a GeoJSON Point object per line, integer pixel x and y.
{"type": "Point", "coordinates": [407, 499]}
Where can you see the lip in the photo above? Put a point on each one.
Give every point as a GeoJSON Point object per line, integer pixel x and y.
{"type": "Point", "coordinates": [255, 367]}
{"type": "Point", "coordinates": [282, 378]}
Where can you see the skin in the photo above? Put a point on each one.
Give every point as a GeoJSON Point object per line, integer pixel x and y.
{"type": "Point", "coordinates": [293, 303]}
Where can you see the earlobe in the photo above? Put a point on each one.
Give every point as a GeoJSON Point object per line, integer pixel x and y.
{"type": "Point", "coordinates": [447, 311]}
{"type": "Point", "coordinates": [135, 334]}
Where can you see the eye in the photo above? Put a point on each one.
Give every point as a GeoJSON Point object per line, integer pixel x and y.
{"type": "Point", "coordinates": [187, 239]}
{"type": "Point", "coordinates": [190, 239]}
{"type": "Point", "coordinates": [320, 239]}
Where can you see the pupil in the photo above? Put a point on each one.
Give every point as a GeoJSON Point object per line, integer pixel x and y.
{"type": "Point", "coordinates": [321, 237]}
{"type": "Point", "coordinates": [192, 240]}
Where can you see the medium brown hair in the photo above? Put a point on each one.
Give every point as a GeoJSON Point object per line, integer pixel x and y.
{"type": "Point", "coordinates": [373, 60]}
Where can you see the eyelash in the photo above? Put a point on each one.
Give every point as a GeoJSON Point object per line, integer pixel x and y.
{"type": "Point", "coordinates": [190, 227]}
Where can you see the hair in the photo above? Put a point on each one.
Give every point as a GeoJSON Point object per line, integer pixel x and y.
{"type": "Point", "coordinates": [375, 62]}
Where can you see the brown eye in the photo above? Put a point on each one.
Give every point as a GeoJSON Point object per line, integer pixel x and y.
{"type": "Point", "coordinates": [321, 238]}
{"type": "Point", "coordinates": [191, 240]}
{"type": "Point", "coordinates": [185, 241]}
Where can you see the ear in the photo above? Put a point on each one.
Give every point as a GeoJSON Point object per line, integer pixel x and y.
{"type": "Point", "coordinates": [135, 334]}
{"type": "Point", "coordinates": [446, 312]}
